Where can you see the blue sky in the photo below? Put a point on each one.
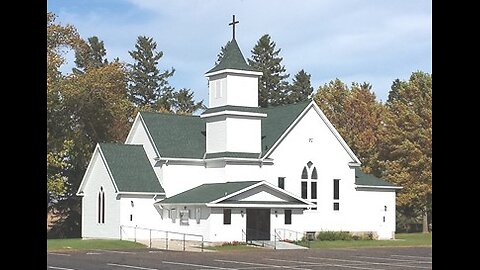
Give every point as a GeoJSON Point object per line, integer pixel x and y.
{"type": "Point", "coordinates": [373, 41]}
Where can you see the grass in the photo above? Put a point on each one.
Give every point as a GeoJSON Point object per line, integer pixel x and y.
{"type": "Point", "coordinates": [78, 244]}
{"type": "Point", "coordinates": [230, 246]}
{"type": "Point", "coordinates": [402, 240]}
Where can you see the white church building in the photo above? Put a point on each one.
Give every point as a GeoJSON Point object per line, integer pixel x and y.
{"type": "Point", "coordinates": [236, 171]}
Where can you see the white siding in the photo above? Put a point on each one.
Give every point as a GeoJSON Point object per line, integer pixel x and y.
{"type": "Point", "coordinates": [99, 178]}
{"type": "Point", "coordinates": [242, 90]}
{"type": "Point", "coordinates": [138, 135]}
{"type": "Point", "coordinates": [216, 135]}
{"type": "Point", "coordinates": [244, 135]}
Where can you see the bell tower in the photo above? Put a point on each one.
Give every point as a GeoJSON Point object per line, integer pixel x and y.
{"type": "Point", "coordinates": [233, 119]}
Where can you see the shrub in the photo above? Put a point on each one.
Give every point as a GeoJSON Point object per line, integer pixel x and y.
{"type": "Point", "coordinates": [334, 235]}
{"type": "Point", "coordinates": [233, 243]}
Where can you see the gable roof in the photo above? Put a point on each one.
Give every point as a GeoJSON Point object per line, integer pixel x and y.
{"type": "Point", "coordinates": [364, 179]}
{"type": "Point", "coordinates": [278, 119]}
{"type": "Point", "coordinates": [130, 168]}
{"type": "Point", "coordinates": [232, 59]}
{"type": "Point", "coordinates": [176, 136]}
{"type": "Point", "coordinates": [183, 136]}
{"type": "Point", "coordinates": [208, 192]}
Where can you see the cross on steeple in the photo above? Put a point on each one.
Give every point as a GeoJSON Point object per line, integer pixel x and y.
{"type": "Point", "coordinates": [233, 24]}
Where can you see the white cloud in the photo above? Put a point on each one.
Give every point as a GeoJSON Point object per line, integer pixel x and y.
{"type": "Point", "coordinates": [375, 41]}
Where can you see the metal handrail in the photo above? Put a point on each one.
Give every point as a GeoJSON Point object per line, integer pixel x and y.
{"type": "Point", "coordinates": [162, 231]}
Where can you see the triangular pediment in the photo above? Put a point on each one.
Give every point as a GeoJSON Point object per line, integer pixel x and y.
{"type": "Point", "coordinates": [263, 193]}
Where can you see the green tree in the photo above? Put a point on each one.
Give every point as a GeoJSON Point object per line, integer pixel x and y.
{"type": "Point", "coordinates": [356, 115]}
{"type": "Point", "coordinates": [60, 39]}
{"type": "Point", "coordinates": [146, 84]}
{"type": "Point", "coordinates": [406, 149]}
{"type": "Point", "coordinates": [90, 55]}
{"type": "Point", "coordinates": [272, 84]}
{"type": "Point", "coordinates": [300, 90]}
{"type": "Point", "coordinates": [183, 102]}
{"type": "Point", "coordinates": [82, 109]}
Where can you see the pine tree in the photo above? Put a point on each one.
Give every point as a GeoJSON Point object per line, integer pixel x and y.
{"type": "Point", "coordinates": [300, 90]}
{"type": "Point", "coordinates": [183, 102]}
{"type": "Point", "coordinates": [146, 84]}
{"type": "Point", "coordinates": [272, 84]}
{"type": "Point", "coordinates": [91, 55]}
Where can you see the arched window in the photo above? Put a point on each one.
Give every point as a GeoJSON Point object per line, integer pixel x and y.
{"type": "Point", "coordinates": [309, 185]}
{"type": "Point", "coordinates": [304, 173]}
{"type": "Point", "coordinates": [314, 173]}
{"type": "Point", "coordinates": [101, 206]}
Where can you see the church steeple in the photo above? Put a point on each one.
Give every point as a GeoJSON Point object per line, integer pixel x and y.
{"type": "Point", "coordinates": [233, 121]}
{"type": "Point", "coordinates": [232, 59]}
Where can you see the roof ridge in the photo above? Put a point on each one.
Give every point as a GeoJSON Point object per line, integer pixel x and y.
{"type": "Point", "coordinates": [170, 114]}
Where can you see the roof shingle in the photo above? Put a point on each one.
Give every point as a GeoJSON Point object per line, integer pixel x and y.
{"type": "Point", "coordinates": [130, 168]}
{"type": "Point", "coordinates": [208, 192]}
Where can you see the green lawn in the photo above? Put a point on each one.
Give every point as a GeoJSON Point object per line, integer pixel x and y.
{"type": "Point", "coordinates": [402, 240]}
{"type": "Point", "coordinates": [77, 243]}
{"type": "Point", "coordinates": [232, 247]}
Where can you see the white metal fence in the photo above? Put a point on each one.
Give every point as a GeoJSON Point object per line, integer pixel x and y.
{"type": "Point", "coordinates": [160, 239]}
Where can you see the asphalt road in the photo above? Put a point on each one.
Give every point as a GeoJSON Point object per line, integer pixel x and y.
{"type": "Point", "coordinates": [335, 259]}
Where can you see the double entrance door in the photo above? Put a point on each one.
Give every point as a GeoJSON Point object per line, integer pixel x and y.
{"type": "Point", "coordinates": [258, 224]}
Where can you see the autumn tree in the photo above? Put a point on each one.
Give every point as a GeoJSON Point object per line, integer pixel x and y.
{"type": "Point", "coordinates": [60, 39]}
{"type": "Point", "coordinates": [83, 108]}
{"type": "Point", "coordinates": [406, 149]}
{"type": "Point", "coordinates": [356, 115]}
{"type": "Point", "coordinates": [272, 84]}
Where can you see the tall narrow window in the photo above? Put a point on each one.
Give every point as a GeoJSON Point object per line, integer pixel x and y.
{"type": "Point", "coordinates": [281, 182]}
{"type": "Point", "coordinates": [101, 206]}
{"type": "Point", "coordinates": [288, 216]}
{"type": "Point", "coordinates": [314, 173]}
{"type": "Point", "coordinates": [99, 216]}
{"type": "Point", "coordinates": [304, 173]}
{"type": "Point", "coordinates": [227, 216]}
{"type": "Point", "coordinates": [336, 189]}
{"type": "Point", "coordinates": [314, 190]}
{"type": "Point", "coordinates": [304, 189]}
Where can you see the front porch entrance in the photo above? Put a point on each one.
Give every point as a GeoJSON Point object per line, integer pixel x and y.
{"type": "Point", "coordinates": [258, 224]}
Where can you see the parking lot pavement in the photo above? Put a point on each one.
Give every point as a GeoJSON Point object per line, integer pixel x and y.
{"type": "Point", "coordinates": [336, 259]}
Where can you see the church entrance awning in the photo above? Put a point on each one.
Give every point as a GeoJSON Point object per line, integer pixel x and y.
{"type": "Point", "coordinates": [246, 194]}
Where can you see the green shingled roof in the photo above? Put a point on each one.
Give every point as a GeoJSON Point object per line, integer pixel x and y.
{"type": "Point", "coordinates": [364, 179]}
{"type": "Point", "coordinates": [278, 119]}
{"type": "Point", "coordinates": [208, 192]}
{"type": "Point", "coordinates": [176, 136]}
{"type": "Point", "coordinates": [183, 136]}
{"type": "Point", "coordinates": [232, 59]}
{"type": "Point", "coordinates": [130, 168]}
{"type": "Point", "coordinates": [233, 108]}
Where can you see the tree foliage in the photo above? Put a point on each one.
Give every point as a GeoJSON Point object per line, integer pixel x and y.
{"type": "Point", "coordinates": [300, 89]}
{"type": "Point", "coordinates": [406, 149]}
{"type": "Point", "coordinates": [146, 84]}
{"type": "Point", "coordinates": [356, 115]}
{"type": "Point", "coordinates": [90, 55]}
{"type": "Point", "coordinates": [272, 84]}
